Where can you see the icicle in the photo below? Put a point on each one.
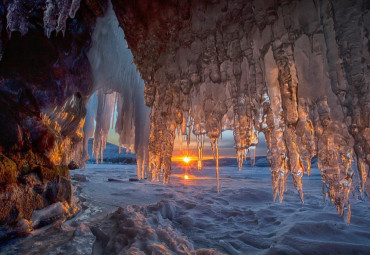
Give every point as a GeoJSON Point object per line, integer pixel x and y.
{"type": "Point", "coordinates": [180, 139]}
{"type": "Point", "coordinates": [74, 8]}
{"type": "Point", "coordinates": [252, 155]}
{"type": "Point", "coordinates": [199, 152]}
{"type": "Point", "coordinates": [17, 18]}
{"type": "Point", "coordinates": [114, 109]}
{"type": "Point", "coordinates": [50, 17]}
{"type": "Point", "coordinates": [276, 154]}
{"type": "Point", "coordinates": [200, 142]}
{"type": "Point", "coordinates": [188, 137]}
{"type": "Point", "coordinates": [64, 9]}
{"type": "Point", "coordinates": [217, 168]}
{"type": "Point", "coordinates": [240, 156]}
{"type": "Point", "coordinates": [202, 146]}
{"type": "Point", "coordinates": [102, 150]}
{"type": "Point", "coordinates": [89, 124]}
{"type": "Point", "coordinates": [119, 85]}
{"type": "Point", "coordinates": [213, 147]}
{"type": "Point", "coordinates": [214, 144]}
{"type": "Point", "coordinates": [55, 15]}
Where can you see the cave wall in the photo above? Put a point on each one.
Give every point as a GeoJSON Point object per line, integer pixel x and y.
{"type": "Point", "coordinates": [45, 82]}
{"type": "Point", "coordinates": [298, 71]}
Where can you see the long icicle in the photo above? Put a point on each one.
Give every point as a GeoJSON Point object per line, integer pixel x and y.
{"type": "Point", "coordinates": [217, 168]}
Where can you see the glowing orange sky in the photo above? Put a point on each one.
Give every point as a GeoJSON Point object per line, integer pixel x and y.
{"type": "Point", "coordinates": [226, 146]}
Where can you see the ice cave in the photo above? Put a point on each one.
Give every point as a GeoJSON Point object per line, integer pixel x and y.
{"type": "Point", "coordinates": [184, 127]}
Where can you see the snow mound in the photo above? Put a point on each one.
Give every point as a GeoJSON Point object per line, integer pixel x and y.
{"type": "Point", "coordinates": [144, 230]}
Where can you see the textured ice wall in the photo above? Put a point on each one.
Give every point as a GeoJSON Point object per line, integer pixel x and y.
{"type": "Point", "coordinates": [298, 71]}
{"type": "Point", "coordinates": [120, 86]}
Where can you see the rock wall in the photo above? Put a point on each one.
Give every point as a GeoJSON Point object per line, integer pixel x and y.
{"type": "Point", "coordinates": [53, 56]}
{"type": "Point", "coordinates": [298, 71]}
{"type": "Point", "coordinates": [45, 82]}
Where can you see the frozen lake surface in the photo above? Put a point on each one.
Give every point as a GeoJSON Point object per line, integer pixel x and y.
{"type": "Point", "coordinates": [241, 219]}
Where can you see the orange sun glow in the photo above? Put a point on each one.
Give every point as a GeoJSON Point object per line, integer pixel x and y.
{"type": "Point", "coordinates": [186, 159]}
{"type": "Point", "coordinates": [186, 177]}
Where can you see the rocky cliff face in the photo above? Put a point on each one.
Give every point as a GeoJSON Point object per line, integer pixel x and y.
{"type": "Point", "coordinates": [298, 71]}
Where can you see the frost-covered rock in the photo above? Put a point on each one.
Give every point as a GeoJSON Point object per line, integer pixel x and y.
{"type": "Point", "coordinates": [54, 212]}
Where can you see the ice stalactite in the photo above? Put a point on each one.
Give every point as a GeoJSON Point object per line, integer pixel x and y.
{"type": "Point", "coordinates": [120, 87]}
{"type": "Point", "coordinates": [200, 146]}
{"type": "Point", "coordinates": [141, 122]}
{"type": "Point", "coordinates": [296, 71]}
{"type": "Point", "coordinates": [252, 155]}
{"type": "Point", "coordinates": [17, 17]}
{"type": "Point", "coordinates": [214, 144]}
{"type": "Point", "coordinates": [103, 118]}
{"type": "Point", "coordinates": [276, 154]}
{"type": "Point", "coordinates": [89, 125]}
{"type": "Point", "coordinates": [55, 15]}
{"type": "Point", "coordinates": [161, 138]}
{"type": "Point", "coordinates": [75, 5]}
{"type": "Point", "coordinates": [349, 58]}
{"type": "Point", "coordinates": [132, 125]}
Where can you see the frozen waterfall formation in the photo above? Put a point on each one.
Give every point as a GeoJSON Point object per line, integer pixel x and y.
{"type": "Point", "coordinates": [298, 71]}
{"type": "Point", "coordinates": [119, 88]}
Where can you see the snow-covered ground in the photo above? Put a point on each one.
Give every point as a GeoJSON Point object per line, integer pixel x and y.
{"type": "Point", "coordinates": [241, 219]}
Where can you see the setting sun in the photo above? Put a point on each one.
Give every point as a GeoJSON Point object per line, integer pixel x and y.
{"type": "Point", "coordinates": [186, 177]}
{"type": "Point", "coordinates": [186, 159]}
